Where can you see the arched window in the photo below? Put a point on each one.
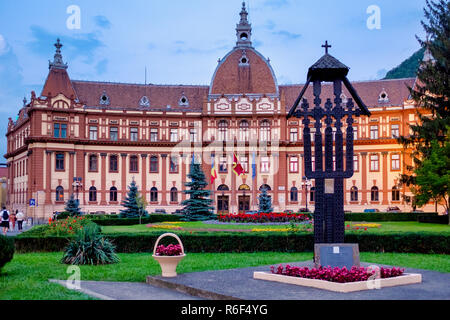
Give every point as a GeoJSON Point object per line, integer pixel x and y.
{"type": "Point", "coordinates": [92, 194]}
{"type": "Point", "coordinates": [395, 194]}
{"type": "Point", "coordinates": [59, 193]}
{"type": "Point", "coordinates": [223, 187]}
{"type": "Point", "coordinates": [244, 130]}
{"type": "Point", "coordinates": [374, 194]}
{"type": "Point", "coordinates": [294, 194]}
{"type": "Point", "coordinates": [174, 195]}
{"type": "Point", "coordinates": [243, 187]}
{"type": "Point", "coordinates": [154, 194]}
{"type": "Point", "coordinates": [223, 130]}
{"type": "Point", "coordinates": [353, 193]}
{"type": "Point", "coordinates": [312, 194]}
{"type": "Point", "coordinates": [265, 186]}
{"type": "Point", "coordinates": [113, 194]}
{"type": "Point", "coordinates": [265, 131]}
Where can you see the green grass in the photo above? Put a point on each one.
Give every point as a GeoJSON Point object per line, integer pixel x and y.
{"type": "Point", "coordinates": [26, 277]}
{"type": "Point", "coordinates": [386, 227]}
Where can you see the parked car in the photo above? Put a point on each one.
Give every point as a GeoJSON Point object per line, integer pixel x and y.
{"type": "Point", "coordinates": [179, 212]}
{"type": "Point", "coordinates": [160, 211]}
{"type": "Point", "coordinates": [371, 210]}
{"type": "Point", "coordinates": [417, 211]}
{"type": "Point", "coordinates": [303, 210]}
{"type": "Point", "coordinates": [251, 212]}
{"type": "Point", "coordinates": [393, 209]}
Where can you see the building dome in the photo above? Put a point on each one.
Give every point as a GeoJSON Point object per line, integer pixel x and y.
{"type": "Point", "coordinates": [244, 70]}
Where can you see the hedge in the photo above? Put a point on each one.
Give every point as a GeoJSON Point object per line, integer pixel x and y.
{"type": "Point", "coordinates": [433, 218]}
{"type": "Point", "coordinates": [384, 216]}
{"type": "Point", "coordinates": [247, 242]}
{"type": "Point", "coordinates": [152, 218]}
{"type": "Point", "coordinates": [6, 250]}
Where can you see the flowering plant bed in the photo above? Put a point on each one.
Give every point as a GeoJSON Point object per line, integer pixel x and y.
{"type": "Point", "coordinates": [340, 279]}
{"type": "Point", "coordinates": [263, 217]}
{"type": "Point", "coordinates": [170, 250]}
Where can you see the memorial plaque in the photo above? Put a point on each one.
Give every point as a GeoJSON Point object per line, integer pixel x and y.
{"type": "Point", "coordinates": [336, 255]}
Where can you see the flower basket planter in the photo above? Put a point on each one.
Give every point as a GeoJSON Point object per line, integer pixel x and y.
{"type": "Point", "coordinates": [168, 263]}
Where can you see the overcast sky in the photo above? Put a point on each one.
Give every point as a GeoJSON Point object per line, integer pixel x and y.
{"type": "Point", "coordinates": [179, 41]}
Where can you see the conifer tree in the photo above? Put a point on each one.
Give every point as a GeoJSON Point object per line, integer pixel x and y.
{"type": "Point", "coordinates": [72, 207]}
{"type": "Point", "coordinates": [265, 202]}
{"type": "Point", "coordinates": [198, 206]}
{"type": "Point", "coordinates": [431, 93]}
{"type": "Point", "coordinates": [131, 203]}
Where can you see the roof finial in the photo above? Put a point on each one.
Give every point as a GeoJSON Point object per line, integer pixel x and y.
{"type": "Point", "coordinates": [58, 60]}
{"type": "Point", "coordinates": [244, 29]}
{"type": "Point", "coordinates": [326, 46]}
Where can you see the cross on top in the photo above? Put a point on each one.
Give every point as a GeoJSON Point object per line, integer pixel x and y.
{"type": "Point", "coordinates": [326, 46]}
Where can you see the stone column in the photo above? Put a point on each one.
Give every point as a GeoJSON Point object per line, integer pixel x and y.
{"type": "Point", "coordinates": [124, 157]}
{"type": "Point", "coordinates": [364, 178]}
{"type": "Point", "coordinates": [144, 176]}
{"type": "Point", "coordinates": [385, 178]}
{"type": "Point", "coordinates": [164, 180]}
{"type": "Point", "coordinates": [103, 180]}
{"type": "Point", "coordinates": [71, 172]}
{"type": "Point", "coordinates": [48, 182]}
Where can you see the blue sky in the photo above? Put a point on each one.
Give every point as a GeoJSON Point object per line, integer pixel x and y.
{"type": "Point", "coordinates": [179, 41]}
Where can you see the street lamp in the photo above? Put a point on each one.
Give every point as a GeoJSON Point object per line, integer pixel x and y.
{"type": "Point", "coordinates": [76, 185]}
{"type": "Point", "coordinates": [305, 184]}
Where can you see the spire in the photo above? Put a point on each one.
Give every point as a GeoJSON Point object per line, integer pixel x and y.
{"type": "Point", "coordinates": [244, 29]}
{"type": "Point", "coordinates": [58, 60]}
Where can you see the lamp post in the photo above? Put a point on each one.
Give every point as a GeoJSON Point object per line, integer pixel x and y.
{"type": "Point", "coordinates": [305, 184]}
{"type": "Point", "coordinates": [76, 185]}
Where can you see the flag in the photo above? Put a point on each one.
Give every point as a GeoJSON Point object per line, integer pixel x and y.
{"type": "Point", "coordinates": [253, 166]}
{"type": "Point", "coordinates": [237, 168]}
{"type": "Point", "coordinates": [213, 171]}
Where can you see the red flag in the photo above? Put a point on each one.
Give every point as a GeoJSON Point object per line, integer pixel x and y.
{"type": "Point", "coordinates": [237, 168]}
{"type": "Point", "coordinates": [213, 172]}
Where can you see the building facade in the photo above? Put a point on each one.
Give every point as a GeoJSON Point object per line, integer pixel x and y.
{"type": "Point", "coordinates": [91, 139]}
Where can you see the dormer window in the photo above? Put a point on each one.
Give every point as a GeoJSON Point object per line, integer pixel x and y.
{"type": "Point", "coordinates": [184, 101]}
{"type": "Point", "coordinates": [144, 102]}
{"type": "Point", "coordinates": [244, 60]}
{"type": "Point", "coordinates": [383, 97]}
{"type": "Point", "coordinates": [104, 99]}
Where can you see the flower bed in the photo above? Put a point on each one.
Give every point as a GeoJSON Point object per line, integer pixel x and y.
{"type": "Point", "coordinates": [340, 275]}
{"type": "Point", "coordinates": [67, 227]}
{"type": "Point", "coordinates": [263, 217]}
{"type": "Point", "coordinates": [169, 251]}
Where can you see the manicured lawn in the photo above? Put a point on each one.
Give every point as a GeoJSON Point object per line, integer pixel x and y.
{"type": "Point", "coordinates": [386, 227]}
{"type": "Point", "coordinates": [26, 277]}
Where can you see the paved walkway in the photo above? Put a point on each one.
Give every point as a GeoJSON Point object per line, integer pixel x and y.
{"type": "Point", "coordinates": [239, 284]}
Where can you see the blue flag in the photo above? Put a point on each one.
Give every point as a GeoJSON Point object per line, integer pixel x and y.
{"type": "Point", "coordinates": [253, 166]}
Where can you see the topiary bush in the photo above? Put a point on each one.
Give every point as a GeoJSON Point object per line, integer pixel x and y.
{"type": "Point", "coordinates": [90, 248]}
{"type": "Point", "coordinates": [6, 250]}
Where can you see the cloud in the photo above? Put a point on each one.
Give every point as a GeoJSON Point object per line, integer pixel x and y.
{"type": "Point", "coordinates": [182, 48]}
{"type": "Point", "coordinates": [102, 22]}
{"type": "Point", "coordinates": [3, 45]}
{"type": "Point", "coordinates": [381, 73]}
{"type": "Point", "coordinates": [287, 34]}
{"type": "Point", "coordinates": [102, 67]}
{"type": "Point", "coordinates": [276, 4]}
{"type": "Point", "coordinates": [82, 45]}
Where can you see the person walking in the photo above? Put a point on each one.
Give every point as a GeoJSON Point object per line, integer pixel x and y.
{"type": "Point", "coordinates": [20, 217]}
{"type": "Point", "coordinates": [12, 220]}
{"type": "Point", "coordinates": [5, 220]}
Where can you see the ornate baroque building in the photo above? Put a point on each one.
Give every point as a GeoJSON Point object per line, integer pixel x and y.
{"type": "Point", "coordinates": [93, 138]}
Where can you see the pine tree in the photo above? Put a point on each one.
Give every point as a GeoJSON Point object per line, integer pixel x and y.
{"type": "Point", "coordinates": [131, 203]}
{"type": "Point", "coordinates": [431, 92]}
{"type": "Point", "coordinates": [72, 207]}
{"type": "Point", "coordinates": [198, 206]}
{"type": "Point", "coordinates": [265, 202]}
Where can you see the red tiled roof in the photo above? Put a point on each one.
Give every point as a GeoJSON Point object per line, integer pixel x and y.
{"type": "Point", "coordinates": [57, 82]}
{"type": "Point", "coordinates": [369, 91]}
{"type": "Point", "coordinates": [230, 78]}
{"type": "Point", "coordinates": [123, 95]}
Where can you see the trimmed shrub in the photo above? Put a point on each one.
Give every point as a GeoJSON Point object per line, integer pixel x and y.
{"type": "Point", "coordinates": [152, 218]}
{"type": "Point", "coordinates": [6, 250]}
{"type": "Point", "coordinates": [408, 242]}
{"type": "Point", "coordinates": [433, 218]}
{"type": "Point", "coordinates": [90, 248]}
{"type": "Point", "coordinates": [383, 216]}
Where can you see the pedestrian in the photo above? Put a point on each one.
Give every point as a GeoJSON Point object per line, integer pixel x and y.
{"type": "Point", "coordinates": [12, 220]}
{"type": "Point", "coordinates": [5, 220]}
{"type": "Point", "coordinates": [20, 217]}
